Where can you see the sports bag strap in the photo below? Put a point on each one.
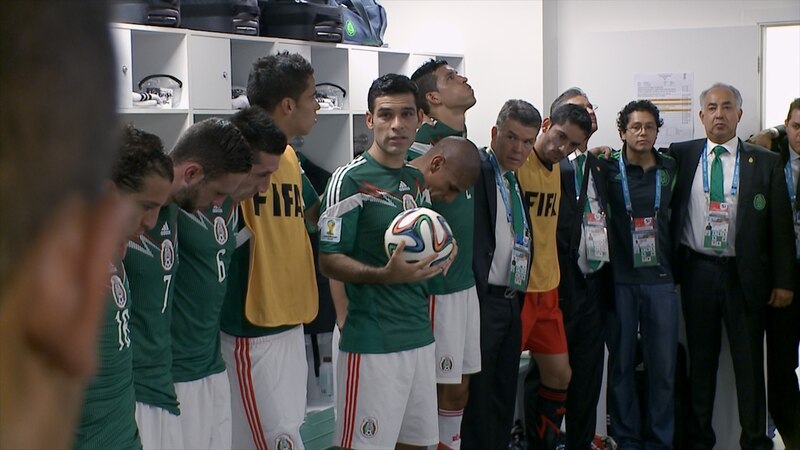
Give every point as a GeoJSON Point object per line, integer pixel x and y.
{"type": "Point", "coordinates": [363, 13]}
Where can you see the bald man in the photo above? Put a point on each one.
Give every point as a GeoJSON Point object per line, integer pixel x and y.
{"type": "Point", "coordinates": [450, 167]}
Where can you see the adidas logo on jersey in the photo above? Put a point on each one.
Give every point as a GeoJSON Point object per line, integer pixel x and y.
{"type": "Point", "coordinates": [216, 209]}
{"type": "Point", "coordinates": [404, 187]}
{"type": "Point", "coordinates": [165, 230]}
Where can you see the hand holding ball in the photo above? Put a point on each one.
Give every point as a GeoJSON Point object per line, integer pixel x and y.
{"type": "Point", "coordinates": [424, 232]}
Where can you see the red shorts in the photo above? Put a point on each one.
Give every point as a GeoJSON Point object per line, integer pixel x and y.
{"type": "Point", "coordinates": [542, 324]}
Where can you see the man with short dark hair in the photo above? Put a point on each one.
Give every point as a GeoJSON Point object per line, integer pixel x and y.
{"type": "Point", "coordinates": [385, 370]}
{"type": "Point", "coordinates": [275, 291]}
{"type": "Point", "coordinates": [152, 262]}
{"type": "Point", "coordinates": [640, 182]}
{"type": "Point", "coordinates": [502, 255]}
{"type": "Point", "coordinates": [783, 332]}
{"type": "Point", "coordinates": [585, 285]}
{"type": "Point", "coordinates": [568, 127]}
{"type": "Point", "coordinates": [732, 236]}
{"type": "Point", "coordinates": [142, 174]}
{"type": "Point", "coordinates": [445, 97]}
{"type": "Point", "coordinates": [206, 245]}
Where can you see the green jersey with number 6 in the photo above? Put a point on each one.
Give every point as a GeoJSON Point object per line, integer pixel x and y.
{"type": "Point", "coordinates": [108, 418]}
{"type": "Point", "coordinates": [360, 202]}
{"type": "Point", "coordinates": [207, 243]}
{"type": "Point", "coordinates": [151, 262]}
{"type": "Point", "coordinates": [459, 215]}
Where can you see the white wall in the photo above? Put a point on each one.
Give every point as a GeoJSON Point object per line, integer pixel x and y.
{"type": "Point", "coordinates": [601, 44]}
{"type": "Point", "coordinates": [501, 42]}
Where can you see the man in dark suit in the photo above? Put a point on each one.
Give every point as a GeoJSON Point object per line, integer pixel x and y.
{"type": "Point", "coordinates": [731, 224]}
{"type": "Point", "coordinates": [501, 264]}
{"type": "Point", "coordinates": [783, 325]}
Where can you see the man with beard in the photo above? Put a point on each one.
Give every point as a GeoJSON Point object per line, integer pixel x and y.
{"type": "Point", "coordinates": [204, 170]}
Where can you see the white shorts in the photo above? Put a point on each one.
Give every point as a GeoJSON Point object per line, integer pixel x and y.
{"type": "Point", "coordinates": [158, 428]}
{"type": "Point", "coordinates": [385, 399]}
{"type": "Point", "coordinates": [205, 412]}
{"type": "Point", "coordinates": [268, 377]}
{"type": "Point", "coordinates": [334, 358]}
{"type": "Point", "coordinates": [456, 323]}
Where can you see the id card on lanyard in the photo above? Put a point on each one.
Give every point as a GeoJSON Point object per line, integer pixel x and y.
{"type": "Point", "coordinates": [793, 201]}
{"type": "Point", "coordinates": [596, 236]}
{"type": "Point", "coordinates": [520, 252]}
{"type": "Point", "coordinates": [595, 231]}
{"type": "Point", "coordinates": [718, 217]}
{"type": "Point", "coordinates": [644, 231]}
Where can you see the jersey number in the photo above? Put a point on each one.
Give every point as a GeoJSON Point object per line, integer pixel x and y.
{"type": "Point", "coordinates": [220, 266]}
{"type": "Point", "coordinates": [123, 332]}
{"type": "Point", "coordinates": [167, 281]}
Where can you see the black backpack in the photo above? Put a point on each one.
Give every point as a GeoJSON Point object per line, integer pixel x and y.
{"type": "Point", "coordinates": [227, 16]}
{"type": "Point", "coordinates": [165, 13]}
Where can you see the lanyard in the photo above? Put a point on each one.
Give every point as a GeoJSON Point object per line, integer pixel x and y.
{"type": "Point", "coordinates": [506, 201]}
{"type": "Point", "coordinates": [790, 182]}
{"type": "Point", "coordinates": [734, 184]}
{"type": "Point", "coordinates": [626, 192]}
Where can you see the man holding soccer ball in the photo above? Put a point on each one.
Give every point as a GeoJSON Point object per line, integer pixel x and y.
{"type": "Point", "coordinates": [386, 381]}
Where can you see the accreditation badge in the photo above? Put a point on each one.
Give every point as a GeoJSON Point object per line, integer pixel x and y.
{"type": "Point", "coordinates": [716, 232]}
{"type": "Point", "coordinates": [644, 242]}
{"type": "Point", "coordinates": [518, 274]}
{"type": "Point", "coordinates": [595, 234]}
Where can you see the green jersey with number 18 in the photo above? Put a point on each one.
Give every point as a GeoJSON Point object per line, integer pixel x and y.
{"type": "Point", "coordinates": [207, 244]}
{"type": "Point", "coordinates": [108, 419]}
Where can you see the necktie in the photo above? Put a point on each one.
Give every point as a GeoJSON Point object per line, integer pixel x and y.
{"type": "Point", "coordinates": [516, 205]}
{"type": "Point", "coordinates": [717, 176]}
{"type": "Point", "coordinates": [579, 170]}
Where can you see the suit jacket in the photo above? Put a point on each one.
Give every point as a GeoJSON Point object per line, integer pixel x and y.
{"type": "Point", "coordinates": [485, 217]}
{"type": "Point", "coordinates": [570, 218]}
{"type": "Point", "coordinates": [764, 237]}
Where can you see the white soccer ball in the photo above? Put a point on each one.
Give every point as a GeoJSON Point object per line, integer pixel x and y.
{"type": "Point", "coordinates": [425, 233]}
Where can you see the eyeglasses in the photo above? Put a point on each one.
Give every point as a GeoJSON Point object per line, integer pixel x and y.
{"type": "Point", "coordinates": [637, 128]}
{"type": "Point", "coordinates": [592, 106]}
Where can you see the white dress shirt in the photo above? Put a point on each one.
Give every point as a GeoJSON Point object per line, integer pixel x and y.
{"type": "Point", "coordinates": [594, 204]}
{"type": "Point", "coordinates": [695, 226]}
{"type": "Point", "coordinates": [503, 237]}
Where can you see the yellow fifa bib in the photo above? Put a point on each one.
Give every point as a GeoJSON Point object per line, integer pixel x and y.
{"type": "Point", "coordinates": [282, 286]}
{"type": "Point", "coordinates": [542, 191]}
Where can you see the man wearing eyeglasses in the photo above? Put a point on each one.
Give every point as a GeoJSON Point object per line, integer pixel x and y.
{"type": "Point", "coordinates": [640, 182]}
{"type": "Point", "coordinates": [733, 235]}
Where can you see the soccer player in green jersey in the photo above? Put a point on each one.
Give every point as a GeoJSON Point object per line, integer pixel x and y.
{"type": "Point", "coordinates": [59, 228]}
{"type": "Point", "coordinates": [142, 175]}
{"type": "Point", "coordinates": [445, 97]}
{"type": "Point", "coordinates": [210, 160]}
{"type": "Point", "coordinates": [385, 371]}
{"type": "Point", "coordinates": [206, 243]}
{"type": "Point", "coordinates": [272, 290]}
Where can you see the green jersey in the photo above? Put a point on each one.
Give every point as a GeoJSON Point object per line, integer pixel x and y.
{"type": "Point", "coordinates": [459, 214]}
{"type": "Point", "coordinates": [233, 320]}
{"type": "Point", "coordinates": [361, 200]}
{"type": "Point", "coordinates": [207, 243]}
{"type": "Point", "coordinates": [108, 419]}
{"type": "Point", "coordinates": [151, 262]}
